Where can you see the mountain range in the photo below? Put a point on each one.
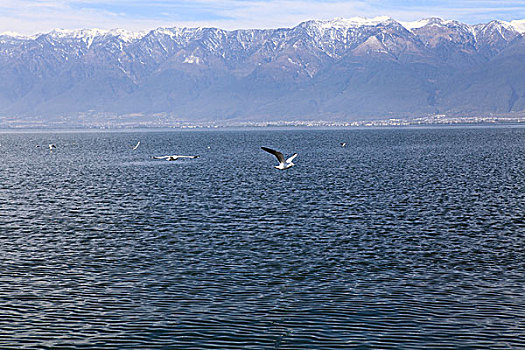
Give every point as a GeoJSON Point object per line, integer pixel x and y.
{"type": "Point", "coordinates": [342, 69]}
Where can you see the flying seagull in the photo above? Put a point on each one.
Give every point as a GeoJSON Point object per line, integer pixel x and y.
{"type": "Point", "coordinates": [136, 146]}
{"type": "Point", "coordinates": [283, 165]}
{"type": "Point", "coordinates": [51, 146]}
{"type": "Point", "coordinates": [343, 144]}
{"type": "Point", "coordinates": [174, 157]}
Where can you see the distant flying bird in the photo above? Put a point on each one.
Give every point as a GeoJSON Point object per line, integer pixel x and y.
{"type": "Point", "coordinates": [283, 165]}
{"type": "Point", "coordinates": [136, 146]}
{"type": "Point", "coordinates": [343, 144]}
{"type": "Point", "coordinates": [51, 146]}
{"type": "Point", "coordinates": [171, 158]}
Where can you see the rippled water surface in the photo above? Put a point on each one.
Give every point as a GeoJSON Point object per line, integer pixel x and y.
{"type": "Point", "coordinates": [405, 238]}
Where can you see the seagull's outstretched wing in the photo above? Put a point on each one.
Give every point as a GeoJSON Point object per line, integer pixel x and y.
{"type": "Point", "coordinates": [161, 157]}
{"type": "Point", "coordinates": [186, 156]}
{"type": "Point", "coordinates": [289, 160]}
{"type": "Point", "coordinates": [136, 146]}
{"type": "Point", "coordinates": [278, 154]}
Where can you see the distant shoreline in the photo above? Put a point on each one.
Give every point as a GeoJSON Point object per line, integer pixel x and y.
{"type": "Point", "coordinates": [266, 125]}
{"type": "Point", "coordinates": [113, 122]}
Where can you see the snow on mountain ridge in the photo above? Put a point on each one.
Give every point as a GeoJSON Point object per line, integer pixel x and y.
{"type": "Point", "coordinates": [504, 29]}
{"type": "Point", "coordinates": [518, 25]}
{"type": "Point", "coordinates": [336, 23]}
{"type": "Point", "coordinates": [353, 22]}
{"type": "Point", "coordinates": [432, 21]}
{"type": "Point", "coordinates": [414, 24]}
{"type": "Point", "coordinates": [89, 34]}
{"type": "Point", "coordinates": [19, 36]}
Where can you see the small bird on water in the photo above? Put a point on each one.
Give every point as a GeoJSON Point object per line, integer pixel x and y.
{"type": "Point", "coordinates": [343, 144]}
{"type": "Point", "coordinates": [52, 146]}
{"type": "Point", "coordinates": [283, 165]}
{"type": "Point", "coordinates": [172, 158]}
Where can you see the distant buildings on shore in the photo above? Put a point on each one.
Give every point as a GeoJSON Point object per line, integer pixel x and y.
{"type": "Point", "coordinates": [122, 122]}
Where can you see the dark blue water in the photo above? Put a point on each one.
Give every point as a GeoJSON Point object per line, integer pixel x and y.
{"type": "Point", "coordinates": [404, 239]}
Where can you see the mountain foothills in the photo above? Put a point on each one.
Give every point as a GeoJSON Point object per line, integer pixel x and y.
{"type": "Point", "coordinates": [341, 70]}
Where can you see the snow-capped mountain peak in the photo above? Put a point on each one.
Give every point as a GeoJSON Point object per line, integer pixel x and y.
{"type": "Point", "coordinates": [518, 25]}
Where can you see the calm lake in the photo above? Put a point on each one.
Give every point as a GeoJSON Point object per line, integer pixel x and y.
{"type": "Point", "coordinates": [407, 238]}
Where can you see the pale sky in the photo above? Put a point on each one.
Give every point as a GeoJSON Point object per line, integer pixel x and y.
{"type": "Point", "coordinates": [37, 16]}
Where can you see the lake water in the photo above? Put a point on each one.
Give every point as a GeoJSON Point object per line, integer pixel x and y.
{"type": "Point", "coordinates": [404, 239]}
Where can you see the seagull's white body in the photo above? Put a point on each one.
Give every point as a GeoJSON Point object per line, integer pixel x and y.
{"type": "Point", "coordinates": [343, 144]}
{"type": "Point", "coordinates": [172, 158]}
{"type": "Point", "coordinates": [136, 146]}
{"type": "Point", "coordinates": [283, 164]}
